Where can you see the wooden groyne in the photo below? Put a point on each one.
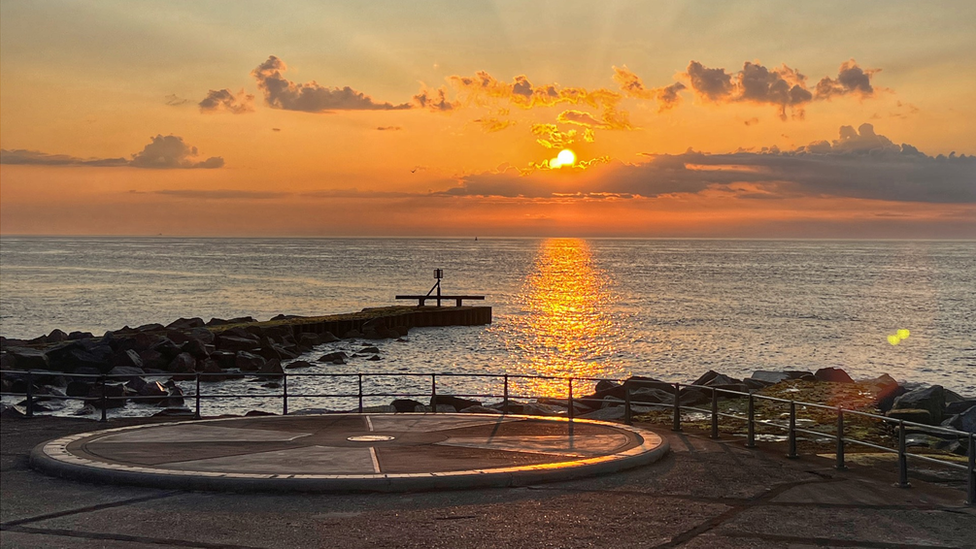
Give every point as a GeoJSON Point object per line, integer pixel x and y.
{"type": "Point", "coordinates": [398, 318]}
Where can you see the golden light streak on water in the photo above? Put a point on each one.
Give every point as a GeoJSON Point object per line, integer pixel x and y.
{"type": "Point", "coordinates": [566, 324]}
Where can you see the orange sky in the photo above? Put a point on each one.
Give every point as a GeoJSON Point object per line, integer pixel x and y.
{"type": "Point", "coordinates": [690, 120]}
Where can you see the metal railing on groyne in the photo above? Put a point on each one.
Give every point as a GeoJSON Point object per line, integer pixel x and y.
{"type": "Point", "coordinates": [104, 400]}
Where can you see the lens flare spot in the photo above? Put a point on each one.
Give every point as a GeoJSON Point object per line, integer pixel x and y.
{"type": "Point", "coordinates": [903, 334]}
{"type": "Point", "coordinates": [894, 339]}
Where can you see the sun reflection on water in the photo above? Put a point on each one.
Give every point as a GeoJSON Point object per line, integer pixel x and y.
{"type": "Point", "coordinates": [565, 326]}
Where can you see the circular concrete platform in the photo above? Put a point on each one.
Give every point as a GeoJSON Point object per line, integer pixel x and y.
{"type": "Point", "coordinates": [350, 452]}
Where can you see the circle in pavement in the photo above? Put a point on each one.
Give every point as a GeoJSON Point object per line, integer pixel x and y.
{"type": "Point", "coordinates": [370, 438]}
{"type": "Point", "coordinates": [350, 452]}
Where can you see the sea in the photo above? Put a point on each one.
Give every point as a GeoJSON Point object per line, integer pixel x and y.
{"type": "Point", "coordinates": [588, 308]}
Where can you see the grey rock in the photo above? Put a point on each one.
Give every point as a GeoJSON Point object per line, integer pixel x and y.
{"type": "Point", "coordinates": [298, 364]}
{"type": "Point", "coordinates": [931, 399]}
{"type": "Point", "coordinates": [835, 375]}
{"type": "Point", "coordinates": [247, 362]}
{"type": "Point", "coordinates": [408, 405]}
{"type": "Point", "coordinates": [964, 421]}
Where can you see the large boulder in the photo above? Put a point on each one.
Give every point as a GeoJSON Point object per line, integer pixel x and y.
{"type": "Point", "coordinates": [186, 324]}
{"type": "Point", "coordinates": [712, 378]}
{"type": "Point", "coordinates": [335, 357]}
{"type": "Point", "coordinates": [913, 415]}
{"type": "Point", "coordinates": [25, 358]}
{"type": "Point", "coordinates": [72, 355]}
{"type": "Point", "coordinates": [183, 363]}
{"type": "Point", "coordinates": [114, 395]}
{"type": "Point", "coordinates": [232, 343]}
{"type": "Point", "coordinates": [931, 399]}
{"type": "Point", "coordinates": [407, 405]}
{"type": "Point", "coordinates": [247, 362]}
{"type": "Point", "coordinates": [645, 395]}
{"type": "Point", "coordinates": [964, 421]}
{"type": "Point", "coordinates": [127, 358]}
{"type": "Point", "coordinates": [776, 377]}
{"type": "Point", "coordinates": [455, 402]}
{"type": "Point", "coordinates": [835, 375]}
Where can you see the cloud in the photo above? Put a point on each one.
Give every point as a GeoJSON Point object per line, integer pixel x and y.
{"type": "Point", "coordinates": [851, 79]}
{"type": "Point", "coordinates": [783, 87]}
{"type": "Point", "coordinates": [281, 93]}
{"type": "Point", "coordinates": [859, 164]}
{"type": "Point", "coordinates": [435, 100]}
{"type": "Point", "coordinates": [37, 158]}
{"type": "Point", "coordinates": [492, 125]}
{"type": "Point", "coordinates": [484, 90]}
{"type": "Point", "coordinates": [168, 152]}
{"type": "Point", "coordinates": [227, 101]}
{"type": "Point", "coordinates": [162, 152]}
{"type": "Point", "coordinates": [579, 118]}
{"type": "Point", "coordinates": [551, 137]}
{"type": "Point", "coordinates": [174, 100]}
{"type": "Point", "coordinates": [389, 128]}
{"type": "Point", "coordinates": [632, 86]}
{"type": "Point", "coordinates": [223, 194]}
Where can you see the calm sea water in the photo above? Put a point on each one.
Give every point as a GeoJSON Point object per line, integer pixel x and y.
{"type": "Point", "coordinates": [671, 309]}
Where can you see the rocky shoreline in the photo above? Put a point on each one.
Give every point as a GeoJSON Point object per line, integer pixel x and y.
{"type": "Point", "coordinates": [126, 365]}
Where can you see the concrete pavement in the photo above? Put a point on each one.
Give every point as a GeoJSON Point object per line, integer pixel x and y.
{"type": "Point", "coordinates": [704, 493]}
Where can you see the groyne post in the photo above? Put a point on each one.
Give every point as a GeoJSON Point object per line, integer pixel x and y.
{"type": "Point", "coordinates": [840, 440]}
{"type": "Point", "coordinates": [30, 394]}
{"type": "Point", "coordinates": [196, 415]}
{"type": "Point", "coordinates": [284, 395]}
{"type": "Point", "coordinates": [505, 397]}
{"type": "Point", "coordinates": [360, 393]}
{"type": "Point", "coordinates": [433, 393]}
{"type": "Point", "coordinates": [972, 470]}
{"type": "Point", "coordinates": [902, 458]}
{"type": "Point", "coordinates": [751, 427]}
{"type": "Point", "coordinates": [104, 400]}
{"type": "Point", "coordinates": [572, 407]}
{"type": "Point", "coordinates": [628, 413]}
{"type": "Point", "coordinates": [792, 433]}
{"type": "Point", "coordinates": [714, 413]}
{"type": "Point", "coordinates": [677, 408]}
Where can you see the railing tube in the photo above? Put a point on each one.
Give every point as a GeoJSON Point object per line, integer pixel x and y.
{"type": "Point", "coordinates": [572, 406]}
{"type": "Point", "coordinates": [360, 393]}
{"type": "Point", "coordinates": [751, 423]}
{"type": "Point", "coordinates": [902, 458]}
{"type": "Point", "coordinates": [677, 408]}
{"type": "Point", "coordinates": [972, 471]}
{"type": "Point", "coordinates": [714, 413]}
{"type": "Point", "coordinates": [792, 435]}
{"type": "Point", "coordinates": [104, 400]}
{"type": "Point", "coordinates": [197, 396]}
{"type": "Point", "coordinates": [505, 398]}
{"type": "Point", "coordinates": [840, 440]}
{"type": "Point", "coordinates": [433, 393]}
{"type": "Point", "coordinates": [30, 394]}
{"type": "Point", "coordinates": [628, 413]}
{"type": "Point", "coordinates": [284, 395]}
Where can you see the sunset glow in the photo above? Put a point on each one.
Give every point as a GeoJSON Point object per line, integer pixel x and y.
{"type": "Point", "coordinates": [691, 119]}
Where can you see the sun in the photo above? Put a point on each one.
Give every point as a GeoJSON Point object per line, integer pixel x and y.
{"type": "Point", "coordinates": [565, 157]}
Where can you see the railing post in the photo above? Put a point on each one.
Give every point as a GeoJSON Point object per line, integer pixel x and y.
{"type": "Point", "coordinates": [360, 393]}
{"type": "Point", "coordinates": [30, 394]}
{"type": "Point", "coordinates": [792, 434]}
{"type": "Point", "coordinates": [197, 414]}
{"type": "Point", "coordinates": [902, 458]}
{"type": "Point", "coordinates": [104, 400]}
{"type": "Point", "coordinates": [284, 395]}
{"type": "Point", "coordinates": [972, 470]}
{"type": "Point", "coordinates": [714, 413]}
{"type": "Point", "coordinates": [572, 407]}
{"type": "Point", "coordinates": [677, 408]}
{"type": "Point", "coordinates": [628, 417]}
{"type": "Point", "coordinates": [505, 398]}
{"type": "Point", "coordinates": [751, 427]}
{"type": "Point", "coordinates": [433, 393]}
{"type": "Point", "coordinates": [840, 440]}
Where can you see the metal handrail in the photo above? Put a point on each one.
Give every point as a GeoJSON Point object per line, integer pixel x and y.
{"type": "Point", "coordinates": [628, 385]}
{"type": "Point", "coordinates": [792, 429]}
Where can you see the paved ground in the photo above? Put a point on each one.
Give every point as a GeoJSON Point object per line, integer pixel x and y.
{"type": "Point", "coordinates": [703, 494]}
{"type": "Point", "coordinates": [371, 452]}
